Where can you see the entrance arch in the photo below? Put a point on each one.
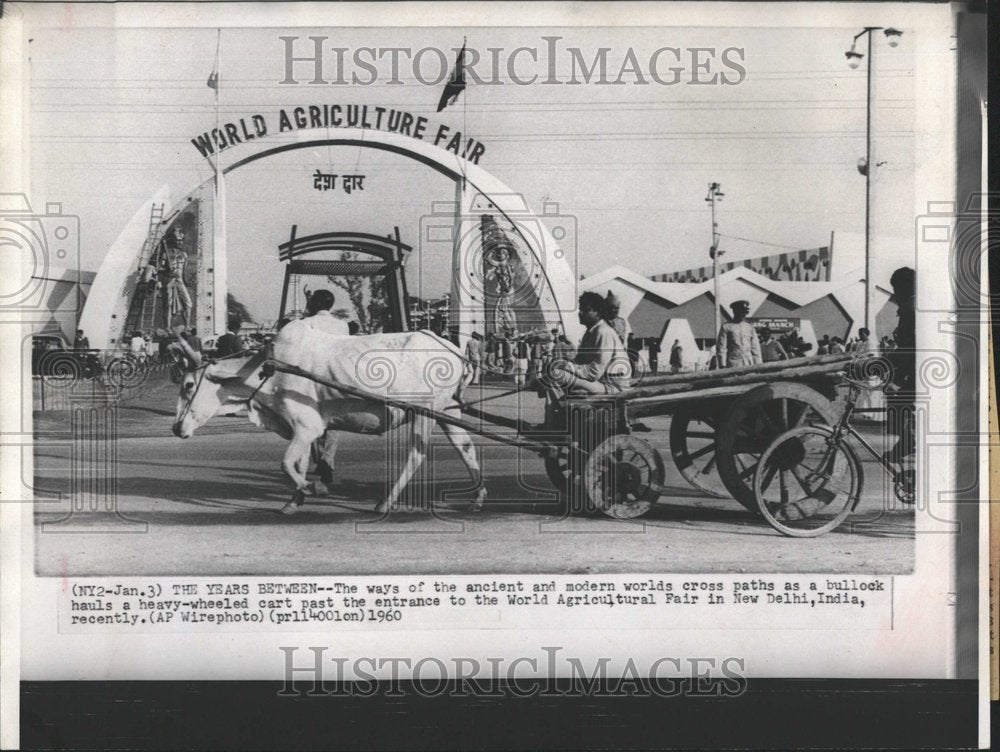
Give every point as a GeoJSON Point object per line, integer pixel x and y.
{"type": "Point", "coordinates": [549, 280]}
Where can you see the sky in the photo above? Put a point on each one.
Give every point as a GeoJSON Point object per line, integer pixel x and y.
{"type": "Point", "coordinates": [112, 116]}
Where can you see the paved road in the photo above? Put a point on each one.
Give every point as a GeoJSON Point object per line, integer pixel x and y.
{"type": "Point", "coordinates": [210, 504]}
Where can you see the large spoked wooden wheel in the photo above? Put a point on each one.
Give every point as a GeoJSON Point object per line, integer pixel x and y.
{"type": "Point", "coordinates": [692, 446]}
{"type": "Point", "coordinates": [557, 467]}
{"type": "Point", "coordinates": [566, 481]}
{"type": "Point", "coordinates": [754, 420]}
{"type": "Point", "coordinates": [623, 477]}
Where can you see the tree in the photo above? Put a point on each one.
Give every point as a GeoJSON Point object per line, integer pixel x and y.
{"type": "Point", "coordinates": [378, 305]}
{"type": "Point", "coordinates": [367, 296]}
{"type": "Point", "coordinates": [354, 286]}
{"type": "Point", "coordinates": [236, 310]}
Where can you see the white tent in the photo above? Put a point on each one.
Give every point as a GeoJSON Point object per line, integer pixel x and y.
{"type": "Point", "coordinates": [691, 356]}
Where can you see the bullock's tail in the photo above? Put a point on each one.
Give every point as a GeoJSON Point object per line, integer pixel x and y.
{"type": "Point", "coordinates": [467, 373]}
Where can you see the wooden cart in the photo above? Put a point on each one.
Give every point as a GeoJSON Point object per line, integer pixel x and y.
{"type": "Point", "coordinates": [722, 421]}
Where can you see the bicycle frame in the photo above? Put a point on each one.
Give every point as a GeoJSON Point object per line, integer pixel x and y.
{"type": "Point", "coordinates": [844, 426]}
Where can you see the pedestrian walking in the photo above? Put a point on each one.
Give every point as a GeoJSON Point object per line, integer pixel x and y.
{"type": "Point", "coordinates": [473, 351]}
{"type": "Point", "coordinates": [520, 362]}
{"type": "Point", "coordinates": [676, 356]}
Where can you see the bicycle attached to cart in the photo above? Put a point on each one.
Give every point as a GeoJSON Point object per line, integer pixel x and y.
{"type": "Point", "coordinates": [809, 479]}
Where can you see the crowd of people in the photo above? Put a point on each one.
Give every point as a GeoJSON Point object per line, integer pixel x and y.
{"type": "Point", "coordinates": [523, 356]}
{"type": "Point", "coordinates": [789, 344]}
{"type": "Point", "coordinates": [605, 358]}
{"type": "Point", "coordinates": [516, 355]}
{"type": "Point", "coordinates": [741, 343]}
{"type": "Point", "coordinates": [158, 346]}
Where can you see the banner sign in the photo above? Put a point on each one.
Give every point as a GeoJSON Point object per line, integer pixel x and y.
{"type": "Point", "coordinates": [777, 325]}
{"type": "Point", "coordinates": [338, 116]}
{"type": "Point", "coordinates": [811, 265]}
{"type": "Point", "coordinates": [324, 181]}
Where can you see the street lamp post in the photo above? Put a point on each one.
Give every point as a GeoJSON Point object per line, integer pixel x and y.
{"type": "Point", "coordinates": [715, 195]}
{"type": "Point", "coordinates": [868, 167]}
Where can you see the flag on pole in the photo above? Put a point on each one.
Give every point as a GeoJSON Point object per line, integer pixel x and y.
{"type": "Point", "coordinates": [213, 77]}
{"type": "Point", "coordinates": [456, 85]}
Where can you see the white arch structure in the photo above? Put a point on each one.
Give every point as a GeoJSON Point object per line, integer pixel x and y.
{"type": "Point", "coordinates": [477, 192]}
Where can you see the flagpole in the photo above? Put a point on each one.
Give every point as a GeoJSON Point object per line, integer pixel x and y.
{"type": "Point", "coordinates": [459, 308]}
{"type": "Point", "coordinates": [461, 270]}
{"type": "Point", "coordinates": [218, 50]}
{"type": "Point", "coordinates": [219, 260]}
{"type": "Point", "coordinates": [465, 117]}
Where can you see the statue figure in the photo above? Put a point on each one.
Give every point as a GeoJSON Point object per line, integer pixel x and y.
{"type": "Point", "coordinates": [502, 271]}
{"type": "Point", "coordinates": [177, 300]}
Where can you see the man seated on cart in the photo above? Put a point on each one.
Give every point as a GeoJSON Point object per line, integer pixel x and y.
{"type": "Point", "coordinates": [601, 365]}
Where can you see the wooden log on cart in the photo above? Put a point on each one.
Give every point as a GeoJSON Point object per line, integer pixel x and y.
{"type": "Point", "coordinates": [655, 379]}
{"type": "Point", "coordinates": [713, 383]}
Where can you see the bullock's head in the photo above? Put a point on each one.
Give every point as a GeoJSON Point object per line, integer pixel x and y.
{"type": "Point", "coordinates": [198, 400]}
{"type": "Point", "coordinates": [214, 388]}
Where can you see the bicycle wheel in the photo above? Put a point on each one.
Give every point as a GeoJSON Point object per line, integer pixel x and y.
{"type": "Point", "coordinates": [805, 483]}
{"type": "Point", "coordinates": [753, 420]}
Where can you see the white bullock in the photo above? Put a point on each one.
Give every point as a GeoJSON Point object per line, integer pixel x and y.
{"type": "Point", "coordinates": [412, 367]}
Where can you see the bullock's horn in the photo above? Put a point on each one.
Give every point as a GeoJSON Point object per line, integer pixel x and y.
{"type": "Point", "coordinates": [192, 354]}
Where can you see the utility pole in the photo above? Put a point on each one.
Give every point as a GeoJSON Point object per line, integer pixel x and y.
{"type": "Point", "coordinates": [868, 165]}
{"type": "Point", "coordinates": [715, 195]}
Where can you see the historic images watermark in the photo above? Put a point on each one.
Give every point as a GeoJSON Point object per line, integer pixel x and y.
{"type": "Point", "coordinates": [314, 60]}
{"type": "Point", "coordinates": [31, 243]}
{"type": "Point", "coordinates": [317, 671]}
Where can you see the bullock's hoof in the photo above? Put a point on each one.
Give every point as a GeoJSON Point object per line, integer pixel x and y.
{"type": "Point", "coordinates": [294, 505]}
{"type": "Point", "coordinates": [384, 508]}
{"type": "Point", "coordinates": [318, 488]}
{"type": "Point", "coordinates": [477, 505]}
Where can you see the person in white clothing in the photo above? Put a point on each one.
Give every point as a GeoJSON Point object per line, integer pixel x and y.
{"type": "Point", "coordinates": [320, 315]}
{"type": "Point", "coordinates": [474, 354]}
{"type": "Point", "coordinates": [869, 399]}
{"type": "Point", "coordinates": [137, 345]}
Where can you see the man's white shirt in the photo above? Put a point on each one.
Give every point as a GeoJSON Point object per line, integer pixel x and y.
{"type": "Point", "coordinates": [328, 323]}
